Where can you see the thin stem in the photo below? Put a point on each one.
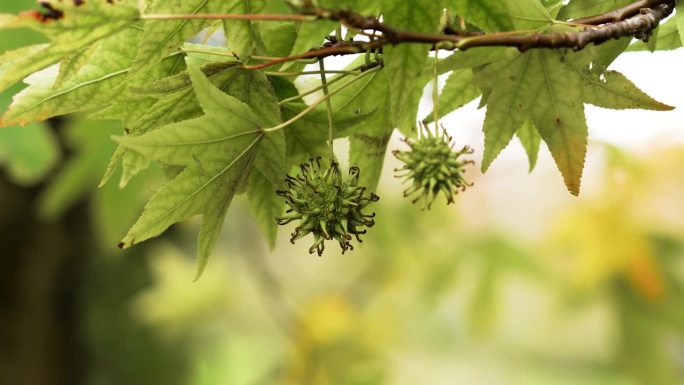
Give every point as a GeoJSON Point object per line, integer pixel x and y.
{"type": "Point", "coordinates": [232, 54]}
{"type": "Point", "coordinates": [435, 91]}
{"type": "Point", "coordinates": [316, 54]}
{"type": "Point", "coordinates": [317, 102]}
{"type": "Point", "coordinates": [311, 91]}
{"type": "Point", "coordinates": [223, 53]}
{"type": "Point", "coordinates": [328, 105]}
{"type": "Point", "coordinates": [276, 73]}
{"type": "Point", "coordinates": [572, 24]}
{"type": "Point", "coordinates": [356, 71]}
{"type": "Point", "coordinates": [208, 52]}
{"type": "Point", "coordinates": [228, 16]}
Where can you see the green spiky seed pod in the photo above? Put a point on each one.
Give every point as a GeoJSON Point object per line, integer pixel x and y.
{"type": "Point", "coordinates": [433, 167]}
{"type": "Point", "coordinates": [327, 205]}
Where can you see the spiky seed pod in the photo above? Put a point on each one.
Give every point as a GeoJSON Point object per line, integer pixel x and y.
{"type": "Point", "coordinates": [433, 166]}
{"type": "Point", "coordinates": [327, 205]}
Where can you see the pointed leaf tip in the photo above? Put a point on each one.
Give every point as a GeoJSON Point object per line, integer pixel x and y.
{"type": "Point", "coordinates": [199, 272]}
{"type": "Point", "coordinates": [615, 91]}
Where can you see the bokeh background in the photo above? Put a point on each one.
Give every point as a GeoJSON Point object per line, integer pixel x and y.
{"type": "Point", "coordinates": [517, 283]}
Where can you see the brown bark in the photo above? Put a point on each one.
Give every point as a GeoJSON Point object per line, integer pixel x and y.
{"type": "Point", "coordinates": [637, 19]}
{"type": "Point", "coordinates": [41, 272]}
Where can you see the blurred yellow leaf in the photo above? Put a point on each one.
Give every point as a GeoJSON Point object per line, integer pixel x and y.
{"type": "Point", "coordinates": [603, 243]}
{"type": "Point", "coordinates": [328, 319]}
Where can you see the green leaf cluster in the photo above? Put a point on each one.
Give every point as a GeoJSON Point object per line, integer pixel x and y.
{"type": "Point", "coordinates": [194, 95]}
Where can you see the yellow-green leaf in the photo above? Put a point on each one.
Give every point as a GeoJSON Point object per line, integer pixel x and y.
{"type": "Point", "coordinates": [79, 26]}
{"type": "Point", "coordinates": [217, 151]}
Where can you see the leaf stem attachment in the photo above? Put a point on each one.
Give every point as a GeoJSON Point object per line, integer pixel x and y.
{"type": "Point", "coordinates": [319, 101]}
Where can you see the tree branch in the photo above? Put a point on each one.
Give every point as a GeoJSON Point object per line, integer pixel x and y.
{"type": "Point", "coordinates": [633, 20]}
{"type": "Point", "coordinates": [639, 26]}
{"type": "Point", "coordinates": [621, 13]}
{"type": "Point", "coordinates": [226, 16]}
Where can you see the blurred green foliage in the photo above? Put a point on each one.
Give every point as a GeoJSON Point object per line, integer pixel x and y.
{"type": "Point", "coordinates": [122, 350]}
{"type": "Point", "coordinates": [113, 209]}
{"type": "Point", "coordinates": [27, 153]}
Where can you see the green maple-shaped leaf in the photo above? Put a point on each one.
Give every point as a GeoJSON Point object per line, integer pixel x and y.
{"type": "Point", "coordinates": [264, 205]}
{"type": "Point", "coordinates": [176, 101]}
{"type": "Point", "coordinates": [308, 136]}
{"type": "Point", "coordinates": [71, 64]}
{"type": "Point", "coordinates": [459, 90]}
{"type": "Point", "coordinates": [530, 140]}
{"type": "Point", "coordinates": [613, 90]}
{"type": "Point", "coordinates": [79, 26]}
{"type": "Point", "coordinates": [546, 90]}
{"type": "Point", "coordinates": [508, 107]}
{"type": "Point", "coordinates": [368, 145]}
{"type": "Point", "coordinates": [217, 152]}
{"type": "Point", "coordinates": [368, 151]}
{"type": "Point", "coordinates": [369, 139]}
{"type": "Point", "coordinates": [135, 104]}
{"type": "Point", "coordinates": [409, 117]}
{"type": "Point", "coordinates": [96, 83]}
{"type": "Point", "coordinates": [559, 115]}
{"type": "Point", "coordinates": [175, 98]}
{"type": "Point", "coordinates": [162, 37]}
{"type": "Point", "coordinates": [360, 110]}
{"type": "Point", "coordinates": [537, 85]}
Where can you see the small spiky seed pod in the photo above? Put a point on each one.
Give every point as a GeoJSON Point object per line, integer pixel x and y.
{"type": "Point", "coordinates": [433, 167]}
{"type": "Point", "coordinates": [327, 204]}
